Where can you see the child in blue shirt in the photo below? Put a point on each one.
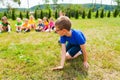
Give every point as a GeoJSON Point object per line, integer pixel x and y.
{"type": "Point", "coordinates": [75, 42]}
{"type": "Point", "coordinates": [40, 26]}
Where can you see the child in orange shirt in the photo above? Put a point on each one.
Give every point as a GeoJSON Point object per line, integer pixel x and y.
{"type": "Point", "coordinates": [26, 26]}
{"type": "Point", "coordinates": [46, 23]}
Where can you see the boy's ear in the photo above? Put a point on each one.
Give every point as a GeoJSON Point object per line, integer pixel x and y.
{"type": "Point", "coordinates": [64, 30]}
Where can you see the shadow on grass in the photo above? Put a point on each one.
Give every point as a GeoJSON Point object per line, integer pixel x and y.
{"type": "Point", "coordinates": [73, 70]}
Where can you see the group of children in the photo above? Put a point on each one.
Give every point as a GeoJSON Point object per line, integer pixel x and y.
{"type": "Point", "coordinates": [28, 24]}
{"type": "Point", "coordinates": [75, 39]}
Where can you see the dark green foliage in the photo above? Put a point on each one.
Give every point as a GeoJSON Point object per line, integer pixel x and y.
{"type": "Point", "coordinates": [68, 14]}
{"type": "Point", "coordinates": [109, 13]}
{"type": "Point", "coordinates": [13, 15]}
{"type": "Point", "coordinates": [41, 14]}
{"type": "Point", "coordinates": [35, 14]}
{"type": "Point", "coordinates": [27, 14]}
{"type": "Point", "coordinates": [49, 15]}
{"type": "Point", "coordinates": [116, 12]}
{"type": "Point", "coordinates": [1, 15]}
{"type": "Point", "coordinates": [76, 14]}
{"type": "Point", "coordinates": [97, 14]}
{"type": "Point", "coordinates": [45, 14]}
{"type": "Point", "coordinates": [83, 15]}
{"type": "Point", "coordinates": [56, 14]}
{"type": "Point", "coordinates": [5, 14]}
{"type": "Point", "coordinates": [72, 13]}
{"type": "Point", "coordinates": [89, 14]}
{"type": "Point", "coordinates": [102, 13]}
{"type": "Point", "coordinates": [21, 16]}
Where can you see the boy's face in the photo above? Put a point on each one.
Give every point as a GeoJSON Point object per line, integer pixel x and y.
{"type": "Point", "coordinates": [31, 18]}
{"type": "Point", "coordinates": [4, 21]}
{"type": "Point", "coordinates": [26, 21]}
{"type": "Point", "coordinates": [19, 20]}
{"type": "Point", "coordinates": [61, 32]}
{"type": "Point", "coordinates": [40, 21]}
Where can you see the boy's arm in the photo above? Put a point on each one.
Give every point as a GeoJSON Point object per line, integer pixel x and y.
{"type": "Point", "coordinates": [63, 55]}
{"type": "Point", "coordinates": [83, 48]}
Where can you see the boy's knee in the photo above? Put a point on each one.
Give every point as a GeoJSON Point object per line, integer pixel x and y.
{"type": "Point", "coordinates": [68, 56]}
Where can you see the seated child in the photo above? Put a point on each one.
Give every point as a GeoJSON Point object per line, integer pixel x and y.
{"type": "Point", "coordinates": [75, 39]}
{"type": "Point", "coordinates": [32, 22]}
{"type": "Point", "coordinates": [5, 26]}
{"type": "Point", "coordinates": [40, 25]}
{"type": "Point", "coordinates": [51, 25]}
{"type": "Point", "coordinates": [26, 26]}
{"type": "Point", "coordinates": [18, 25]}
{"type": "Point", "coordinates": [46, 23]}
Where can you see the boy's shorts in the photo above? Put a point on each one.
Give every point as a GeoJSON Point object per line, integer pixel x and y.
{"type": "Point", "coordinates": [72, 49]}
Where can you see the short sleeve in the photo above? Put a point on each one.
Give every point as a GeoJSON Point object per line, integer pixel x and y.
{"type": "Point", "coordinates": [80, 38]}
{"type": "Point", "coordinates": [62, 40]}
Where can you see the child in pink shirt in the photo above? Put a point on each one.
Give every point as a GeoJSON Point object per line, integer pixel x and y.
{"type": "Point", "coordinates": [51, 24]}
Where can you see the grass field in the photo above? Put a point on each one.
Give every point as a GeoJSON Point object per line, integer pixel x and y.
{"type": "Point", "coordinates": [31, 56]}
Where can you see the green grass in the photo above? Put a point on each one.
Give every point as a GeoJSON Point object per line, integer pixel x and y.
{"type": "Point", "coordinates": [31, 56]}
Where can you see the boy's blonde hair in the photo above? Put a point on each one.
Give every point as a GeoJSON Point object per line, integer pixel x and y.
{"type": "Point", "coordinates": [31, 17]}
{"type": "Point", "coordinates": [39, 19]}
{"type": "Point", "coordinates": [63, 22]}
{"type": "Point", "coordinates": [18, 18]}
{"type": "Point", "coordinates": [4, 18]}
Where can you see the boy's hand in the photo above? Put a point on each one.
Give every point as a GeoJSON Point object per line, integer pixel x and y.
{"type": "Point", "coordinates": [58, 68]}
{"type": "Point", "coordinates": [86, 65]}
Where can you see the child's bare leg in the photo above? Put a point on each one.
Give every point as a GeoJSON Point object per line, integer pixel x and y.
{"type": "Point", "coordinates": [69, 57]}
{"type": "Point", "coordinates": [0, 28]}
{"type": "Point", "coordinates": [16, 28]}
{"type": "Point", "coordinates": [9, 28]}
{"type": "Point", "coordinates": [34, 26]}
{"type": "Point", "coordinates": [20, 29]}
{"type": "Point", "coordinates": [26, 29]}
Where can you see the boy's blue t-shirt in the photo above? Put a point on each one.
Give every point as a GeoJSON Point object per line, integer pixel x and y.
{"type": "Point", "coordinates": [77, 38]}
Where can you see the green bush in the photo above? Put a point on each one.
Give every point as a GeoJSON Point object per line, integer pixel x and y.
{"type": "Point", "coordinates": [49, 15]}
{"type": "Point", "coordinates": [97, 14]}
{"type": "Point", "coordinates": [5, 14]}
{"type": "Point", "coordinates": [69, 14]}
{"type": "Point", "coordinates": [13, 15]}
{"type": "Point", "coordinates": [76, 14]}
{"type": "Point", "coordinates": [27, 14]}
{"type": "Point", "coordinates": [35, 14]}
{"type": "Point", "coordinates": [89, 14]}
{"type": "Point", "coordinates": [102, 13]}
{"type": "Point", "coordinates": [1, 15]}
{"type": "Point", "coordinates": [115, 13]}
{"type": "Point", "coordinates": [41, 14]}
{"type": "Point", "coordinates": [109, 13]}
{"type": "Point", "coordinates": [20, 15]}
{"type": "Point", "coordinates": [83, 15]}
{"type": "Point", "coordinates": [56, 14]}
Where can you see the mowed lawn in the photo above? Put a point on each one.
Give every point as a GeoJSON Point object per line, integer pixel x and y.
{"type": "Point", "coordinates": [31, 56]}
